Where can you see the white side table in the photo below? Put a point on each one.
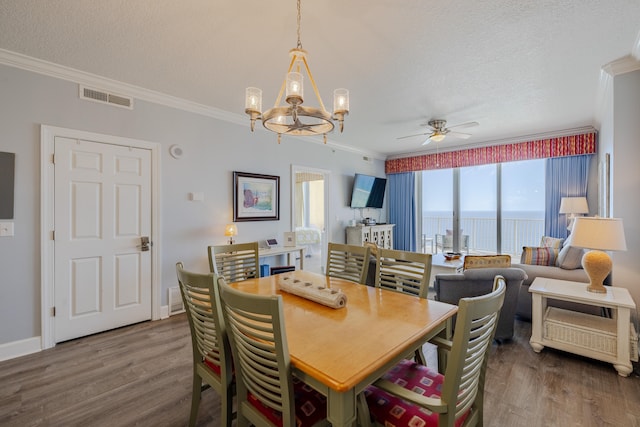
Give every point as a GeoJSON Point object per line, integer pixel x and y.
{"type": "Point", "coordinates": [592, 336]}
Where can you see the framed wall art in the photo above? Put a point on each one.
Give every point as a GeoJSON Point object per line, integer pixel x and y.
{"type": "Point", "coordinates": [255, 197]}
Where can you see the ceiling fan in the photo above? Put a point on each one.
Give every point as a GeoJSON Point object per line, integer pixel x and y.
{"type": "Point", "coordinates": [439, 131]}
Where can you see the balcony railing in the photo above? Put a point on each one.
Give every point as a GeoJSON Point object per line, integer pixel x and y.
{"type": "Point", "coordinates": [516, 233]}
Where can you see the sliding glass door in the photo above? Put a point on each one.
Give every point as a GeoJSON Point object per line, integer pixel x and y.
{"type": "Point", "coordinates": [437, 208]}
{"type": "Point", "coordinates": [523, 207]}
{"type": "Point", "coordinates": [488, 209]}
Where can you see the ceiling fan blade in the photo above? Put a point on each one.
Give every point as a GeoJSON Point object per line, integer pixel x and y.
{"type": "Point", "coordinates": [417, 134]}
{"type": "Point", "coordinates": [464, 125]}
{"type": "Point", "coordinates": [460, 135]}
{"type": "Point", "coordinates": [427, 141]}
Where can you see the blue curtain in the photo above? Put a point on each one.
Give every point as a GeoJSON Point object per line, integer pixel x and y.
{"type": "Point", "coordinates": [402, 208]}
{"type": "Point", "coordinates": [565, 177]}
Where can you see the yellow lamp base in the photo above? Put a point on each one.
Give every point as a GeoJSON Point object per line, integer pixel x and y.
{"type": "Point", "coordinates": [598, 265]}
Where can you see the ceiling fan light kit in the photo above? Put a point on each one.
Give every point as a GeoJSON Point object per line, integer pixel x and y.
{"type": "Point", "coordinates": [294, 118]}
{"type": "Point", "coordinates": [440, 131]}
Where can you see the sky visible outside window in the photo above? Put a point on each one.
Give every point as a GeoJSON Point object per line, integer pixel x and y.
{"type": "Point", "coordinates": [522, 188]}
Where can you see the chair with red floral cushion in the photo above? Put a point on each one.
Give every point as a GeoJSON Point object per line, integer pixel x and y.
{"type": "Point", "coordinates": [267, 393]}
{"type": "Point", "coordinates": [412, 394]}
{"type": "Point", "coordinates": [212, 359]}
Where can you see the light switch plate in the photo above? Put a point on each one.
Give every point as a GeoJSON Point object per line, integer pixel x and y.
{"type": "Point", "coordinates": [6, 228]}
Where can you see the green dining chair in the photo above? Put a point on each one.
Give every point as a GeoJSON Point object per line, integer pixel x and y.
{"type": "Point", "coordinates": [236, 262]}
{"type": "Point", "coordinates": [412, 391]}
{"type": "Point", "coordinates": [212, 359]}
{"type": "Point", "coordinates": [265, 384]}
{"type": "Point", "coordinates": [403, 271]}
{"type": "Point", "coordinates": [348, 262]}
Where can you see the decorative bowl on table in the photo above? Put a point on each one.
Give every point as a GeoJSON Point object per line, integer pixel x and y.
{"type": "Point", "coordinates": [450, 256]}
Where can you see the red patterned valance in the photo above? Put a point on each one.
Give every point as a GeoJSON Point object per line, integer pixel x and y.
{"type": "Point", "coordinates": [573, 145]}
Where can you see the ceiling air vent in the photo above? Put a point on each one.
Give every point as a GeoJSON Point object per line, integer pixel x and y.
{"type": "Point", "coordinates": [104, 97]}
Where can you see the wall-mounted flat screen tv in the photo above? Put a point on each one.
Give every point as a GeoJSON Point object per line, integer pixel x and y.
{"type": "Point", "coordinates": [368, 191]}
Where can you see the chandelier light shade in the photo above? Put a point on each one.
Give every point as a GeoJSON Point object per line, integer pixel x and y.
{"type": "Point", "coordinates": [291, 117]}
{"type": "Point", "coordinates": [599, 234]}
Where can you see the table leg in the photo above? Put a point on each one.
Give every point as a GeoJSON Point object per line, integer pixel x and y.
{"type": "Point", "coordinates": [341, 408]}
{"type": "Point", "coordinates": [538, 304]}
{"type": "Point", "coordinates": [623, 356]}
{"type": "Point", "coordinates": [301, 258]}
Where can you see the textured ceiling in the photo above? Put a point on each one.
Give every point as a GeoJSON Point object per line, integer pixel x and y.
{"type": "Point", "coordinates": [517, 68]}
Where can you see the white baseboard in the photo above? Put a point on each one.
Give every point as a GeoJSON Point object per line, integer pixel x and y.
{"type": "Point", "coordinates": [15, 349]}
{"type": "Point", "coordinates": [164, 311]}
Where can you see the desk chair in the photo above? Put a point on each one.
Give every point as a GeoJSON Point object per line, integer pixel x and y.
{"type": "Point", "coordinates": [347, 262]}
{"type": "Point", "coordinates": [443, 400]}
{"type": "Point", "coordinates": [236, 262]}
{"type": "Point", "coordinates": [265, 384]}
{"type": "Point", "coordinates": [211, 351]}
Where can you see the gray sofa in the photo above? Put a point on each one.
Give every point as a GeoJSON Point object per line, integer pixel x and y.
{"type": "Point", "coordinates": [479, 281]}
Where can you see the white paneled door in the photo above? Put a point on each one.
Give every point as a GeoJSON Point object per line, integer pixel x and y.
{"type": "Point", "coordinates": [102, 213]}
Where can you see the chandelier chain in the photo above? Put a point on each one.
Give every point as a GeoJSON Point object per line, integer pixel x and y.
{"type": "Point", "coordinates": [299, 42]}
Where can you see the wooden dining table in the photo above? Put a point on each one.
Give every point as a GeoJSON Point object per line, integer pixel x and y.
{"type": "Point", "coordinates": [340, 351]}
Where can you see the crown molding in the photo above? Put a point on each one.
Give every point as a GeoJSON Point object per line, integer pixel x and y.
{"type": "Point", "coordinates": [62, 72]}
{"type": "Point", "coordinates": [625, 64]}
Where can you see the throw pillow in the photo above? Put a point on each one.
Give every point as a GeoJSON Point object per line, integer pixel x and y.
{"type": "Point", "coordinates": [539, 256]}
{"type": "Point", "coordinates": [570, 257]}
{"type": "Point", "coordinates": [486, 261]}
{"type": "Point", "coordinates": [551, 242]}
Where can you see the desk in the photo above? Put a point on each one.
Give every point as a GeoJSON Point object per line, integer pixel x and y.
{"type": "Point", "coordinates": [281, 250]}
{"type": "Point", "coordinates": [341, 351]}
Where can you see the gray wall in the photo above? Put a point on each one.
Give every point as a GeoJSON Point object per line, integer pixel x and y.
{"type": "Point", "coordinates": [212, 150]}
{"type": "Point", "coordinates": [625, 177]}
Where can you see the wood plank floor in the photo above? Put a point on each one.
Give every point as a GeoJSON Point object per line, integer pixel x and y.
{"type": "Point", "coordinates": [141, 375]}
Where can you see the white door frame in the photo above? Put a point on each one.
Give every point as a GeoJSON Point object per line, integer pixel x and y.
{"type": "Point", "coordinates": [47, 203]}
{"type": "Point", "coordinates": [327, 198]}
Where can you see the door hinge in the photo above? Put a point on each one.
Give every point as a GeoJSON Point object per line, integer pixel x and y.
{"type": "Point", "coordinates": [53, 234]}
{"type": "Point", "coordinates": [53, 159]}
{"type": "Point", "coordinates": [53, 311]}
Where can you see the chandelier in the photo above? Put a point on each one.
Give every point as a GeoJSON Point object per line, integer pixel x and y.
{"type": "Point", "coordinates": [293, 118]}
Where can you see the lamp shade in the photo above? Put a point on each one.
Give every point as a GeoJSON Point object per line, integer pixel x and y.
{"type": "Point", "coordinates": [574, 205]}
{"type": "Point", "coordinates": [605, 234]}
{"type": "Point", "coordinates": [231, 230]}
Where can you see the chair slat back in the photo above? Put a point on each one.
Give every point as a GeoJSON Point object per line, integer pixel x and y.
{"type": "Point", "coordinates": [348, 262]}
{"type": "Point", "coordinates": [475, 328]}
{"type": "Point", "coordinates": [208, 334]}
{"type": "Point", "coordinates": [403, 271]}
{"type": "Point", "coordinates": [263, 368]}
{"type": "Point", "coordinates": [236, 262]}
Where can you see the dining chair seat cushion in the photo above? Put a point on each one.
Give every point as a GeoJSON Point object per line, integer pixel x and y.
{"type": "Point", "coordinates": [389, 410]}
{"type": "Point", "coordinates": [215, 368]}
{"type": "Point", "coordinates": [311, 406]}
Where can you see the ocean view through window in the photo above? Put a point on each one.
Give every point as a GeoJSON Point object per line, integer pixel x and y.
{"type": "Point", "coordinates": [510, 195]}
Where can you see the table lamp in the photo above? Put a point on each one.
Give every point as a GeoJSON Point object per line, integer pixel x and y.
{"type": "Point", "coordinates": [230, 230]}
{"type": "Point", "coordinates": [571, 206]}
{"type": "Point", "coordinates": [600, 234]}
